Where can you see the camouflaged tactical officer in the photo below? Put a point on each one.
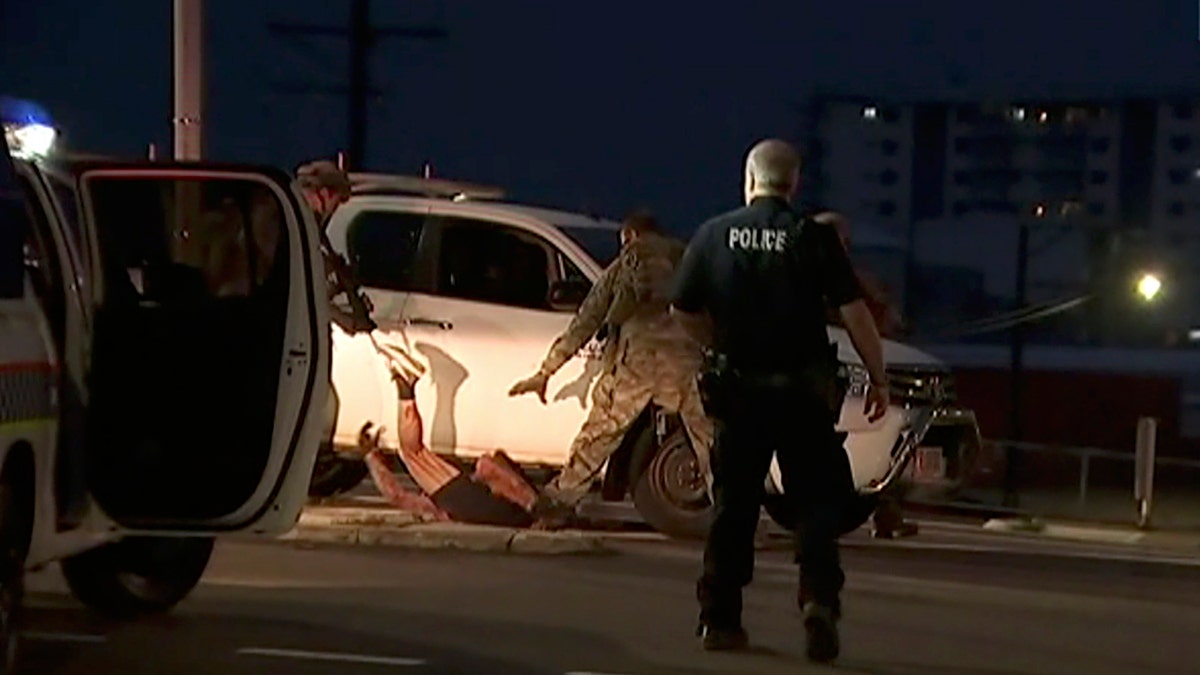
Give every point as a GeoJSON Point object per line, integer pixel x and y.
{"type": "Point", "coordinates": [648, 358]}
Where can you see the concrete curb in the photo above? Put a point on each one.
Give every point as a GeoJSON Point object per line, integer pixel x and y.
{"type": "Point", "coordinates": [399, 529]}
{"type": "Point", "coordinates": [1097, 534]}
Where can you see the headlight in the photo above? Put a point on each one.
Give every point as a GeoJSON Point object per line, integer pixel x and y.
{"type": "Point", "coordinates": [29, 141]}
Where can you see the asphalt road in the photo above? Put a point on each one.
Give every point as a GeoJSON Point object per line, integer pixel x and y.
{"type": "Point", "coordinates": [951, 601]}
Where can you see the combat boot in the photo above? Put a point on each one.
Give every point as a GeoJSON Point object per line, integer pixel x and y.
{"type": "Point", "coordinates": [820, 625]}
{"type": "Point", "coordinates": [550, 514]}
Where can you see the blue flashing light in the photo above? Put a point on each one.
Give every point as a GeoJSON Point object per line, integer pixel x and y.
{"type": "Point", "coordinates": [21, 112]}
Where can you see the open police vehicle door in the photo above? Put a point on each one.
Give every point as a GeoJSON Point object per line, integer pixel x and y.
{"type": "Point", "coordinates": [209, 356]}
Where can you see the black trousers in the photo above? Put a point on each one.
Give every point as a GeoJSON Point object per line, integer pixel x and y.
{"type": "Point", "coordinates": [799, 427]}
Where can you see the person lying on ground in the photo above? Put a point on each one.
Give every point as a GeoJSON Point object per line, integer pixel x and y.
{"type": "Point", "coordinates": [496, 493]}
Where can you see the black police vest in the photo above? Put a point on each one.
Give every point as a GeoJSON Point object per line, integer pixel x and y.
{"type": "Point", "coordinates": [775, 318]}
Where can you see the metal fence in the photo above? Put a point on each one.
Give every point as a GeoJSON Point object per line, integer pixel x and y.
{"type": "Point", "coordinates": [1097, 484]}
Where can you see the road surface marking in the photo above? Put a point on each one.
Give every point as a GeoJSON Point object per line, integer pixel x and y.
{"type": "Point", "coordinates": [62, 637]}
{"type": "Point", "coordinates": [331, 656]}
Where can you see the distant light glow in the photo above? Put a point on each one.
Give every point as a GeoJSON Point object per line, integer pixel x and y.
{"type": "Point", "coordinates": [1194, 335]}
{"type": "Point", "coordinates": [1018, 114]}
{"type": "Point", "coordinates": [1149, 287]}
{"type": "Point", "coordinates": [870, 112]}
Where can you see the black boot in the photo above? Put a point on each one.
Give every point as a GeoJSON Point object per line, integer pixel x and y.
{"type": "Point", "coordinates": [715, 639]}
{"type": "Point", "coordinates": [820, 624]}
{"type": "Point", "coordinates": [549, 514]}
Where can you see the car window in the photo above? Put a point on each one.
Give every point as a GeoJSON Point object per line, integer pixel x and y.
{"type": "Point", "coordinates": [383, 248]}
{"type": "Point", "coordinates": [493, 263]}
{"type": "Point", "coordinates": [45, 268]}
{"type": "Point", "coordinates": [13, 227]}
{"type": "Point", "coordinates": [67, 200]}
{"type": "Point", "coordinates": [189, 240]}
{"type": "Point", "coordinates": [569, 271]}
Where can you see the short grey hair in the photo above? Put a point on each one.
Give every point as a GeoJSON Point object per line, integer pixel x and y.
{"type": "Point", "coordinates": [774, 164]}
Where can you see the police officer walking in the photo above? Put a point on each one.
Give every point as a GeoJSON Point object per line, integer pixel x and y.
{"type": "Point", "coordinates": [754, 283]}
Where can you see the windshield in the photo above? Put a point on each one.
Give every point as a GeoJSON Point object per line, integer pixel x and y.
{"type": "Point", "coordinates": [601, 243]}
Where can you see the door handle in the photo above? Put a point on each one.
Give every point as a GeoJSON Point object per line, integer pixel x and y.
{"type": "Point", "coordinates": [435, 323]}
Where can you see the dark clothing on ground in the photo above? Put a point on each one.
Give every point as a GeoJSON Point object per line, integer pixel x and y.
{"type": "Point", "coordinates": [470, 502]}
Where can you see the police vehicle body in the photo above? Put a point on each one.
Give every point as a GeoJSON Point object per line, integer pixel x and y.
{"type": "Point", "coordinates": [110, 389]}
{"type": "Point", "coordinates": [478, 289]}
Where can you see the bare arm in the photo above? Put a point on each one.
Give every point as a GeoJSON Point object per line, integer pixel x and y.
{"type": "Point", "coordinates": [865, 336]}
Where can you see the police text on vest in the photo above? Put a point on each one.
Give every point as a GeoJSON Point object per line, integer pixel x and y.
{"type": "Point", "coordinates": [752, 239]}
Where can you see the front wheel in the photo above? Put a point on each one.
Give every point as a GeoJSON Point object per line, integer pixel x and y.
{"type": "Point", "coordinates": [671, 495]}
{"type": "Point", "coordinates": [137, 575]}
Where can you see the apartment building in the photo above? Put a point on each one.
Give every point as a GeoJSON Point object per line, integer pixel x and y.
{"type": "Point", "coordinates": [952, 176]}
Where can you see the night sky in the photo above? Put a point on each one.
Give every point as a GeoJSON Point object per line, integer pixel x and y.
{"type": "Point", "coordinates": [592, 106]}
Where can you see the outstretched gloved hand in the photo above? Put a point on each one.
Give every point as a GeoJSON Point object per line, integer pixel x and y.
{"type": "Point", "coordinates": [536, 384]}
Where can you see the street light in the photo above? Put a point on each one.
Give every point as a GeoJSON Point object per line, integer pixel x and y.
{"type": "Point", "coordinates": [1149, 286]}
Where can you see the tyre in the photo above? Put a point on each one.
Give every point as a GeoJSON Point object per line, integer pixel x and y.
{"type": "Point", "coordinates": [781, 510]}
{"type": "Point", "coordinates": [137, 575]}
{"type": "Point", "coordinates": [334, 475]}
{"type": "Point", "coordinates": [670, 494]}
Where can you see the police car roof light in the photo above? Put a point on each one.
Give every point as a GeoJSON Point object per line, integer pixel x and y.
{"type": "Point", "coordinates": [28, 129]}
{"type": "Point", "coordinates": [379, 183]}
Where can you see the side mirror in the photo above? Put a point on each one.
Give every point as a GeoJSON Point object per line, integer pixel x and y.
{"type": "Point", "coordinates": [568, 295]}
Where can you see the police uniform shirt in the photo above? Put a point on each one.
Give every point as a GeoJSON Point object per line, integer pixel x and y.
{"type": "Point", "coordinates": [767, 295]}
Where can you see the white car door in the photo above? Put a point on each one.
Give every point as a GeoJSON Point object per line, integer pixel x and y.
{"type": "Point", "coordinates": [384, 244]}
{"type": "Point", "coordinates": [209, 348]}
{"type": "Point", "coordinates": [487, 325]}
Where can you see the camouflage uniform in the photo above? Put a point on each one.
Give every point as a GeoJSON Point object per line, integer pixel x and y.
{"type": "Point", "coordinates": [648, 358]}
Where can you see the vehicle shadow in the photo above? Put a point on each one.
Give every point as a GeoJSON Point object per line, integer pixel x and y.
{"type": "Point", "coordinates": [580, 386]}
{"type": "Point", "coordinates": [447, 376]}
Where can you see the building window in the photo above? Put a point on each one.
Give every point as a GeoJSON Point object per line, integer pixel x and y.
{"type": "Point", "coordinates": [1180, 176]}
{"type": "Point", "coordinates": [1181, 143]}
{"type": "Point", "coordinates": [889, 148]}
{"type": "Point", "coordinates": [1100, 145]}
{"type": "Point", "coordinates": [1098, 177]}
{"type": "Point", "coordinates": [888, 177]}
{"type": "Point", "coordinates": [1182, 111]}
{"type": "Point", "coordinates": [1095, 208]}
{"type": "Point", "coordinates": [870, 112]}
{"type": "Point", "coordinates": [1176, 209]}
{"type": "Point", "coordinates": [887, 208]}
{"type": "Point", "coordinates": [890, 115]}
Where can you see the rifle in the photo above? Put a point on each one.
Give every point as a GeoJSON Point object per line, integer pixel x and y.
{"type": "Point", "coordinates": [346, 281]}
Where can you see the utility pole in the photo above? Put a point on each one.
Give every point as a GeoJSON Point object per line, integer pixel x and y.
{"type": "Point", "coordinates": [362, 37]}
{"type": "Point", "coordinates": [188, 20]}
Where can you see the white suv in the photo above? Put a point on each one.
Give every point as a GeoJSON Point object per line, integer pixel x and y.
{"type": "Point", "coordinates": [479, 289]}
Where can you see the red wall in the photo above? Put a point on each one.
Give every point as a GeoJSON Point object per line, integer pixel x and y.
{"type": "Point", "coordinates": [1076, 408]}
